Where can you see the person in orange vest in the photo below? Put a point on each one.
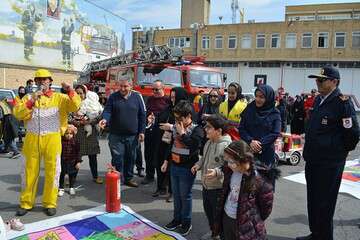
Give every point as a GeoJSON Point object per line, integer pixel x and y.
{"type": "Point", "coordinates": [198, 101]}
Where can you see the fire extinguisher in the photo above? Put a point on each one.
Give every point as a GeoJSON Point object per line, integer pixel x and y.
{"type": "Point", "coordinates": [112, 187]}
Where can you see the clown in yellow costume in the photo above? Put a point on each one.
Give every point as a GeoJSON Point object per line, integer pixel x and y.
{"type": "Point", "coordinates": [45, 116]}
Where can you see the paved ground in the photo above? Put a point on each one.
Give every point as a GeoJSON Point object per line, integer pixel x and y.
{"type": "Point", "coordinates": [287, 220]}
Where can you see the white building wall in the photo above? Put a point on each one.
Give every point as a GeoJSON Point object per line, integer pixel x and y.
{"type": "Point", "coordinates": [294, 80]}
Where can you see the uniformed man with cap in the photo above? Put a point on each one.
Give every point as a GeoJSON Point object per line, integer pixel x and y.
{"type": "Point", "coordinates": [332, 132]}
{"type": "Point", "coordinates": [45, 115]}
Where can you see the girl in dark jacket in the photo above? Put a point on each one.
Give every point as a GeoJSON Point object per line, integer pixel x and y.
{"type": "Point", "coordinates": [70, 159]}
{"type": "Point", "coordinates": [260, 125]}
{"type": "Point", "coordinates": [247, 198]}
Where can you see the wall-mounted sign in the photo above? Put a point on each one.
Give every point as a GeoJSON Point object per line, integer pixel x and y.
{"type": "Point", "coordinates": [259, 79]}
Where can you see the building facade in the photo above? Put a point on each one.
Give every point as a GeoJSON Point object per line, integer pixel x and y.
{"type": "Point", "coordinates": [281, 54]}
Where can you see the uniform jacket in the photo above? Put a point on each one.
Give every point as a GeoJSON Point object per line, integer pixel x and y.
{"type": "Point", "coordinates": [253, 208]}
{"type": "Point", "coordinates": [212, 159]}
{"type": "Point", "coordinates": [332, 130]}
{"type": "Point", "coordinates": [49, 114]}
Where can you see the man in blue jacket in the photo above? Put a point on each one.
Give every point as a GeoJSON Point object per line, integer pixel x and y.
{"type": "Point", "coordinates": [332, 132]}
{"type": "Point", "coordinates": [124, 113]}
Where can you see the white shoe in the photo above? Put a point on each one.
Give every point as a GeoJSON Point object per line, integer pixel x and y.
{"type": "Point", "coordinates": [72, 191]}
{"type": "Point", "coordinates": [61, 192]}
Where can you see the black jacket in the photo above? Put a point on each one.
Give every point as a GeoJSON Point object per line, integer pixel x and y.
{"type": "Point", "coordinates": [332, 130]}
{"type": "Point", "coordinates": [191, 141]}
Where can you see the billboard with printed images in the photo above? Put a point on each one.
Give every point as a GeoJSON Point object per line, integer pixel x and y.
{"type": "Point", "coordinates": [61, 34]}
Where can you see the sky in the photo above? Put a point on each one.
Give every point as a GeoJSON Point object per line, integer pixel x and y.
{"type": "Point", "coordinates": [166, 13]}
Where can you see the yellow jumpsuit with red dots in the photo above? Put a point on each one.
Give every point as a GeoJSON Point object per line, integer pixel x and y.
{"type": "Point", "coordinates": [45, 121]}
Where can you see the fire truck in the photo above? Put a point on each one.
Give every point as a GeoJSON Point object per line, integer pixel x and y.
{"type": "Point", "coordinates": [148, 64]}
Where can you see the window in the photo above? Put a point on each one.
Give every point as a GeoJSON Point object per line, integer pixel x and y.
{"type": "Point", "coordinates": [187, 41]}
{"type": "Point", "coordinates": [301, 18]}
{"type": "Point", "coordinates": [218, 42]}
{"type": "Point", "coordinates": [232, 42]}
{"type": "Point", "coordinates": [182, 42]}
{"type": "Point", "coordinates": [323, 40]}
{"type": "Point", "coordinates": [169, 76]}
{"type": "Point", "coordinates": [356, 39]}
{"type": "Point", "coordinates": [205, 78]}
{"type": "Point", "coordinates": [290, 40]}
{"type": "Point", "coordinates": [275, 40]}
{"type": "Point", "coordinates": [179, 42]}
{"type": "Point", "coordinates": [171, 42]}
{"type": "Point", "coordinates": [260, 40]}
{"type": "Point", "coordinates": [307, 40]}
{"type": "Point", "coordinates": [339, 40]}
{"type": "Point", "coordinates": [246, 41]}
{"type": "Point", "coordinates": [205, 43]}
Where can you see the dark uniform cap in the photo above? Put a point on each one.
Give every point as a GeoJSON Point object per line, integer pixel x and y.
{"type": "Point", "coordinates": [327, 72]}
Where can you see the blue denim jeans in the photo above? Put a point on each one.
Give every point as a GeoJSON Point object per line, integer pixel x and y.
{"type": "Point", "coordinates": [123, 154]}
{"type": "Point", "coordinates": [12, 146]}
{"type": "Point", "coordinates": [182, 181]}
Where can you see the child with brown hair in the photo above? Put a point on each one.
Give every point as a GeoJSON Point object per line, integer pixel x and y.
{"type": "Point", "coordinates": [210, 165]}
{"type": "Point", "coordinates": [247, 197]}
{"type": "Point", "coordinates": [70, 159]}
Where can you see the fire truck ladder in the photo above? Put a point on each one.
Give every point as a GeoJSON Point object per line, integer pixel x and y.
{"type": "Point", "coordinates": [152, 54]}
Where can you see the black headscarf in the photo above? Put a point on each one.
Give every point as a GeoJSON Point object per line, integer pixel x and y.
{"type": "Point", "coordinates": [180, 94]}
{"type": "Point", "coordinates": [269, 105]}
{"type": "Point", "coordinates": [21, 95]}
{"type": "Point", "coordinates": [239, 95]}
{"type": "Point", "coordinates": [167, 116]}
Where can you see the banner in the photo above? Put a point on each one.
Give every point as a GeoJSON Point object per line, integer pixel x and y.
{"type": "Point", "coordinates": [62, 34]}
{"type": "Point", "coordinates": [350, 179]}
{"type": "Point", "coordinates": [95, 224]}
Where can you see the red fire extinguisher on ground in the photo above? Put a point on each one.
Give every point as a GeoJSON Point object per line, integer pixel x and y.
{"type": "Point", "coordinates": [112, 186]}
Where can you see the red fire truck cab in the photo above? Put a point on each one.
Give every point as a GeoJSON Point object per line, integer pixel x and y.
{"type": "Point", "coordinates": [187, 72]}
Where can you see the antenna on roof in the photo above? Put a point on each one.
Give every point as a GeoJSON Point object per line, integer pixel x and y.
{"type": "Point", "coordinates": [234, 9]}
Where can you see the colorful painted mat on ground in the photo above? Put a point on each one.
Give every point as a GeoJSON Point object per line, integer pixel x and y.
{"type": "Point", "coordinates": [95, 224]}
{"type": "Point", "coordinates": [350, 180]}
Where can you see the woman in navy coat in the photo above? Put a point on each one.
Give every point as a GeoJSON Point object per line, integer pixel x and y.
{"type": "Point", "coordinates": [261, 124]}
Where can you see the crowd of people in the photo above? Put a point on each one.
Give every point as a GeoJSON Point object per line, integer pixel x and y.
{"type": "Point", "coordinates": [230, 143]}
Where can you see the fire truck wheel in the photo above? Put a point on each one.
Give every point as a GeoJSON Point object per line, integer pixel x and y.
{"type": "Point", "coordinates": [294, 159]}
